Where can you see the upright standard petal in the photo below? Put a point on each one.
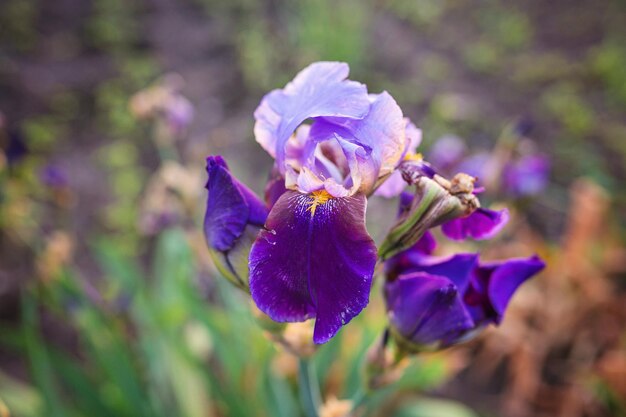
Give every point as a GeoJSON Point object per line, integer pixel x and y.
{"type": "Point", "coordinates": [425, 310]}
{"type": "Point", "coordinates": [374, 145]}
{"type": "Point", "coordinates": [395, 184]}
{"type": "Point", "coordinates": [481, 224]}
{"type": "Point", "coordinates": [321, 89]}
{"type": "Point", "coordinates": [314, 259]}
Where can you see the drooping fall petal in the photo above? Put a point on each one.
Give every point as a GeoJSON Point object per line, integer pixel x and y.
{"type": "Point", "coordinates": [314, 259]}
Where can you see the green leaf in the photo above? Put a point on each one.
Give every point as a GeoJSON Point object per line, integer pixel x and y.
{"type": "Point", "coordinates": [434, 408]}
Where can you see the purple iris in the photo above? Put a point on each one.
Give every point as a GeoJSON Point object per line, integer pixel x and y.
{"type": "Point", "coordinates": [436, 302]}
{"type": "Point", "coordinates": [306, 253]}
{"type": "Point", "coordinates": [234, 214]}
{"type": "Point", "coordinates": [315, 257]}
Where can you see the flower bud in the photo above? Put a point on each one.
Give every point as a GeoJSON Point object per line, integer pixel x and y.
{"type": "Point", "coordinates": [436, 201]}
{"type": "Point", "coordinates": [234, 215]}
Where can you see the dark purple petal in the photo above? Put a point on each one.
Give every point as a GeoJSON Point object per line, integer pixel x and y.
{"type": "Point", "coordinates": [313, 260]}
{"type": "Point", "coordinates": [230, 207]}
{"type": "Point", "coordinates": [426, 244]}
{"type": "Point", "coordinates": [404, 261]}
{"type": "Point", "coordinates": [457, 268]}
{"type": "Point", "coordinates": [274, 188]}
{"type": "Point", "coordinates": [494, 283]}
{"type": "Point", "coordinates": [481, 224]}
{"type": "Point", "coordinates": [258, 209]}
{"type": "Point", "coordinates": [426, 309]}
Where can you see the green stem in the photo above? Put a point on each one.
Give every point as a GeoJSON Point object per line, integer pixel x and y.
{"type": "Point", "coordinates": [309, 388]}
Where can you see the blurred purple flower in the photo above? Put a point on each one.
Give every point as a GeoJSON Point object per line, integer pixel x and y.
{"type": "Point", "coordinates": [436, 302]}
{"type": "Point", "coordinates": [527, 176]}
{"type": "Point", "coordinates": [53, 176]}
{"type": "Point", "coordinates": [447, 152]}
{"type": "Point", "coordinates": [178, 112]}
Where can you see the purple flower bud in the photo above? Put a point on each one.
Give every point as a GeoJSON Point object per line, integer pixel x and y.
{"type": "Point", "coordinates": [436, 202]}
{"type": "Point", "coordinates": [233, 217]}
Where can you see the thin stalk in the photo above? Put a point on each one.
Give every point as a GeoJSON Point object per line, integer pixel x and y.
{"type": "Point", "coordinates": [309, 388]}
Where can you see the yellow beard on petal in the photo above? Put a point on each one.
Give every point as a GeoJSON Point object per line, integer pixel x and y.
{"type": "Point", "coordinates": [410, 156]}
{"type": "Point", "coordinates": [317, 198]}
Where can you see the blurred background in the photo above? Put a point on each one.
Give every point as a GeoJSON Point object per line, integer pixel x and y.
{"type": "Point", "coordinates": [109, 305]}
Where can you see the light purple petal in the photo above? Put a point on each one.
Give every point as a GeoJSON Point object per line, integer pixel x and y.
{"type": "Point", "coordinates": [481, 224]}
{"type": "Point", "coordinates": [321, 89]}
{"type": "Point", "coordinates": [426, 309]}
{"type": "Point", "coordinates": [413, 136]}
{"type": "Point", "coordinates": [313, 261]}
{"type": "Point", "coordinates": [395, 184]}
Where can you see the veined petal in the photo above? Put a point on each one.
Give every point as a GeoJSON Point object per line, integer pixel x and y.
{"type": "Point", "coordinates": [230, 206]}
{"type": "Point", "coordinates": [425, 309]}
{"type": "Point", "coordinates": [315, 259]}
{"type": "Point", "coordinates": [321, 89]}
{"type": "Point", "coordinates": [481, 224]}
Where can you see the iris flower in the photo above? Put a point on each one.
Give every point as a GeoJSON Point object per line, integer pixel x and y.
{"type": "Point", "coordinates": [315, 258]}
{"type": "Point", "coordinates": [435, 302]}
{"type": "Point", "coordinates": [305, 252]}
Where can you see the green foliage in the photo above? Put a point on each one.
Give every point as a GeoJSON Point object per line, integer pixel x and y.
{"type": "Point", "coordinates": [608, 62]}
{"type": "Point", "coordinates": [18, 22]}
{"type": "Point", "coordinates": [419, 12]}
{"type": "Point", "coordinates": [564, 103]}
{"type": "Point", "coordinates": [325, 30]}
{"type": "Point", "coordinates": [433, 408]}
